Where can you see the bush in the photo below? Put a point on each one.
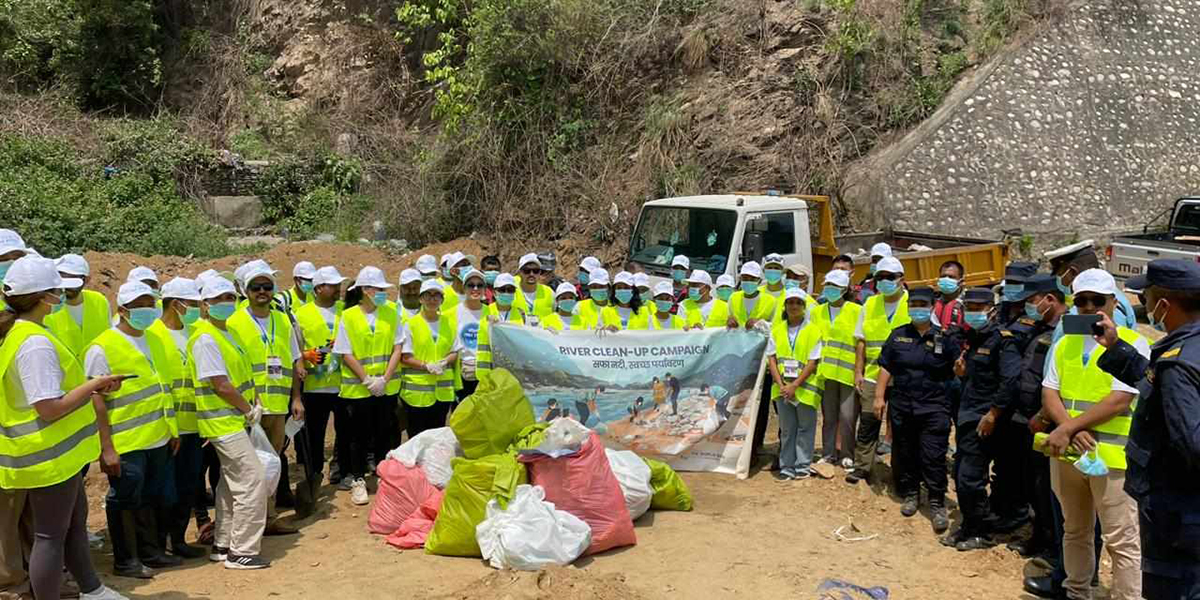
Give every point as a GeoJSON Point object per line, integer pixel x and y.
{"type": "Point", "coordinates": [317, 194]}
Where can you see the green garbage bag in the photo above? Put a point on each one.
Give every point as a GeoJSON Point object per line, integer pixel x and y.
{"type": "Point", "coordinates": [464, 504]}
{"type": "Point", "coordinates": [670, 492]}
{"type": "Point", "coordinates": [531, 437]}
{"type": "Point", "coordinates": [488, 420]}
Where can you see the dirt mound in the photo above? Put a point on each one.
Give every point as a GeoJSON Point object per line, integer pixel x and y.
{"type": "Point", "coordinates": [557, 583]}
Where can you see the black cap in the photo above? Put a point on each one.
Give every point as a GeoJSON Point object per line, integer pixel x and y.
{"type": "Point", "coordinates": [1020, 272]}
{"type": "Point", "coordinates": [1041, 283]}
{"type": "Point", "coordinates": [1171, 274]}
{"type": "Point", "coordinates": [979, 294]}
{"type": "Point", "coordinates": [921, 293]}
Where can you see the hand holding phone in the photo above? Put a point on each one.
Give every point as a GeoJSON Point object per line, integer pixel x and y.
{"type": "Point", "coordinates": [1081, 324]}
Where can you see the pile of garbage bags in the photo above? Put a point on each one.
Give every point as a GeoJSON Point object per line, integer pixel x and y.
{"type": "Point", "coordinates": [522, 495]}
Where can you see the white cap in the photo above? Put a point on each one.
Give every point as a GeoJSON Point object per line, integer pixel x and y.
{"type": "Point", "coordinates": [598, 276]}
{"type": "Point", "coordinates": [1065, 250]}
{"type": "Point", "coordinates": [459, 257]}
{"type": "Point", "coordinates": [890, 264]}
{"type": "Point", "coordinates": [446, 258]}
{"type": "Point", "coordinates": [838, 277]}
{"type": "Point", "coordinates": [752, 269]}
{"type": "Point", "coordinates": [432, 285]}
{"type": "Point", "coordinates": [641, 280]}
{"type": "Point", "coordinates": [590, 264]}
{"type": "Point", "coordinates": [725, 281]}
{"type": "Point", "coordinates": [527, 259]}
{"type": "Point", "coordinates": [427, 264]}
{"type": "Point", "coordinates": [255, 269]}
{"type": "Point", "coordinates": [142, 274]}
{"type": "Point", "coordinates": [73, 264]}
{"type": "Point", "coordinates": [31, 274]}
{"type": "Point", "coordinates": [10, 241]}
{"type": "Point", "coordinates": [624, 277]}
{"type": "Point", "coordinates": [408, 276]}
{"type": "Point", "coordinates": [799, 269]}
{"type": "Point", "coordinates": [565, 288]}
{"type": "Point", "coordinates": [504, 280]}
{"type": "Point", "coordinates": [304, 270]}
{"type": "Point", "coordinates": [664, 287]}
{"type": "Point", "coordinates": [701, 277]}
{"type": "Point", "coordinates": [470, 272]}
{"type": "Point", "coordinates": [327, 276]}
{"type": "Point", "coordinates": [1097, 281]}
{"type": "Point", "coordinates": [681, 261]}
{"type": "Point", "coordinates": [216, 286]}
{"type": "Point", "coordinates": [371, 277]}
{"type": "Point", "coordinates": [881, 250]}
{"type": "Point", "coordinates": [132, 290]}
{"type": "Point", "coordinates": [793, 293]}
{"type": "Point", "coordinates": [181, 288]}
{"type": "Point", "coordinates": [239, 271]}
{"type": "Point", "coordinates": [773, 259]}
{"type": "Point", "coordinates": [207, 274]}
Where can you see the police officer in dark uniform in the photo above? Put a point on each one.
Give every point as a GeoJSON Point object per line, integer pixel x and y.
{"type": "Point", "coordinates": [917, 361]}
{"type": "Point", "coordinates": [991, 365]}
{"type": "Point", "coordinates": [1163, 451]}
{"type": "Point", "coordinates": [1014, 291]}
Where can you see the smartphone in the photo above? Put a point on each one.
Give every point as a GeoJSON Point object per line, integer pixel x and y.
{"type": "Point", "coordinates": [124, 377]}
{"type": "Point", "coordinates": [1080, 324]}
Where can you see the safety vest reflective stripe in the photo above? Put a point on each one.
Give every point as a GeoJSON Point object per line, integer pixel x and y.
{"type": "Point", "coordinates": [483, 347]}
{"type": "Point", "coordinates": [115, 402]}
{"type": "Point", "coordinates": [839, 345]}
{"type": "Point", "coordinates": [877, 327]}
{"type": "Point", "coordinates": [134, 423]}
{"type": "Point", "coordinates": [1084, 385]}
{"type": "Point", "coordinates": [53, 453]}
{"type": "Point", "coordinates": [838, 349]}
{"type": "Point", "coordinates": [137, 410]}
{"type": "Point", "coordinates": [214, 416]}
{"type": "Point", "coordinates": [217, 413]}
{"type": "Point", "coordinates": [372, 347]}
{"type": "Point", "coordinates": [260, 344]}
{"type": "Point", "coordinates": [1080, 405]}
{"type": "Point", "coordinates": [262, 368]}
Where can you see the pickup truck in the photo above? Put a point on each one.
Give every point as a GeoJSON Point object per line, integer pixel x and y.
{"type": "Point", "coordinates": [718, 233]}
{"type": "Point", "coordinates": [1179, 237]}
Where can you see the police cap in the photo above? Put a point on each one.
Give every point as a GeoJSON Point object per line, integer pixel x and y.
{"type": "Point", "coordinates": [1171, 274]}
{"type": "Point", "coordinates": [921, 293]}
{"type": "Point", "coordinates": [1069, 253]}
{"type": "Point", "coordinates": [979, 295]}
{"type": "Point", "coordinates": [1041, 283]}
{"type": "Point", "coordinates": [1019, 272]}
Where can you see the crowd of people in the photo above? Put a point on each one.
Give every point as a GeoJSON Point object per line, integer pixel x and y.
{"type": "Point", "coordinates": [163, 391]}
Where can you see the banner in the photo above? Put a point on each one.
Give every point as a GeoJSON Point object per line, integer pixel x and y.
{"type": "Point", "coordinates": [686, 398]}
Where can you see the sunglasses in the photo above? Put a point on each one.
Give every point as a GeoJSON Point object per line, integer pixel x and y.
{"type": "Point", "coordinates": [888, 276]}
{"type": "Point", "coordinates": [476, 286]}
{"type": "Point", "coordinates": [260, 287]}
{"type": "Point", "coordinates": [531, 271]}
{"type": "Point", "coordinates": [1091, 301]}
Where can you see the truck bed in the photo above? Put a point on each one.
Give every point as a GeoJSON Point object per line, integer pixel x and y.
{"type": "Point", "coordinates": [984, 259]}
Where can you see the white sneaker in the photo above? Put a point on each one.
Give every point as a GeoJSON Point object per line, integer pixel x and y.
{"type": "Point", "coordinates": [358, 492]}
{"type": "Point", "coordinates": [847, 463]}
{"type": "Point", "coordinates": [103, 593]}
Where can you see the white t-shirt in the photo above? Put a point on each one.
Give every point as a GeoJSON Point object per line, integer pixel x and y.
{"type": "Point", "coordinates": [1050, 378]}
{"type": "Point", "coordinates": [466, 339]}
{"type": "Point", "coordinates": [625, 312]}
{"type": "Point", "coordinates": [750, 303]}
{"type": "Point", "coordinates": [180, 338]}
{"type": "Point", "coordinates": [95, 364]}
{"type": "Point", "coordinates": [207, 355]}
{"type": "Point", "coordinates": [705, 310]}
{"type": "Point", "coordinates": [530, 297]}
{"type": "Point", "coordinates": [35, 373]}
{"type": "Point", "coordinates": [406, 344]}
{"type": "Point", "coordinates": [663, 323]}
{"type": "Point", "coordinates": [792, 332]}
{"type": "Point", "coordinates": [76, 313]}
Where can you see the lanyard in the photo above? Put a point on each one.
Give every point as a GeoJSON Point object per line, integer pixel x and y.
{"type": "Point", "coordinates": [793, 338]}
{"type": "Point", "coordinates": [262, 330]}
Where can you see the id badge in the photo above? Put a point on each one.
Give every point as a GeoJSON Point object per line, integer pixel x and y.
{"type": "Point", "coordinates": [274, 367]}
{"type": "Point", "coordinates": [791, 368]}
{"type": "Point", "coordinates": [532, 320]}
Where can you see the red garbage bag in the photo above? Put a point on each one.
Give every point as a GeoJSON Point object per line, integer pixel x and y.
{"type": "Point", "coordinates": [415, 529]}
{"type": "Point", "coordinates": [401, 491]}
{"type": "Point", "coordinates": [583, 484]}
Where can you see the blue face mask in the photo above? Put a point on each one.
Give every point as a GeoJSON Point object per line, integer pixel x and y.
{"type": "Point", "coordinates": [4, 267]}
{"type": "Point", "coordinates": [977, 320]}
{"type": "Point", "coordinates": [750, 287]}
{"type": "Point", "coordinates": [831, 293]}
{"type": "Point", "coordinates": [663, 305]}
{"type": "Point", "coordinates": [380, 298]}
{"type": "Point", "coordinates": [448, 273]}
{"type": "Point", "coordinates": [920, 315]}
{"type": "Point", "coordinates": [624, 296]}
{"type": "Point", "coordinates": [306, 287]}
{"type": "Point", "coordinates": [947, 285]}
{"type": "Point", "coordinates": [506, 298]}
{"type": "Point", "coordinates": [567, 305]}
{"type": "Point", "coordinates": [643, 294]}
{"type": "Point", "coordinates": [62, 301]}
{"type": "Point", "coordinates": [1092, 465]}
{"type": "Point", "coordinates": [489, 277]}
{"type": "Point", "coordinates": [725, 293]}
{"type": "Point", "coordinates": [599, 295]}
{"type": "Point", "coordinates": [1154, 322]}
{"type": "Point", "coordinates": [1031, 311]}
{"type": "Point", "coordinates": [694, 294]}
{"type": "Point", "coordinates": [142, 318]}
{"type": "Point", "coordinates": [887, 288]}
{"type": "Point", "coordinates": [1062, 287]}
{"type": "Point", "coordinates": [872, 268]}
{"type": "Point", "coordinates": [190, 316]}
{"type": "Point", "coordinates": [678, 275]}
{"type": "Point", "coordinates": [222, 310]}
{"type": "Point", "coordinates": [583, 278]}
{"type": "Point", "coordinates": [1013, 292]}
{"type": "Point", "coordinates": [773, 275]}
{"type": "Point", "coordinates": [791, 284]}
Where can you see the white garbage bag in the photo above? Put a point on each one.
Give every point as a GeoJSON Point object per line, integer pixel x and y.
{"type": "Point", "coordinates": [266, 455]}
{"type": "Point", "coordinates": [531, 534]}
{"type": "Point", "coordinates": [634, 476]}
{"type": "Point", "coordinates": [432, 450]}
{"type": "Point", "coordinates": [564, 436]}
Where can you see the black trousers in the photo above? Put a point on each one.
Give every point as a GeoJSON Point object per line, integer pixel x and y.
{"type": "Point", "coordinates": [1010, 443]}
{"type": "Point", "coordinates": [974, 461]}
{"type": "Point", "coordinates": [373, 430]}
{"type": "Point", "coordinates": [189, 490]}
{"type": "Point", "coordinates": [469, 388]}
{"type": "Point", "coordinates": [1171, 550]}
{"type": "Point", "coordinates": [764, 415]}
{"type": "Point", "coordinates": [318, 408]}
{"type": "Point", "coordinates": [919, 443]}
{"type": "Point", "coordinates": [424, 418]}
{"type": "Point", "coordinates": [1037, 489]}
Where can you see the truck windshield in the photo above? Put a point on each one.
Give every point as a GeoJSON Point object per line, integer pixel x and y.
{"type": "Point", "coordinates": [1187, 219]}
{"type": "Point", "coordinates": [704, 235]}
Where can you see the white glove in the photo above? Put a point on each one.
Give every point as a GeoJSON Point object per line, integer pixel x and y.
{"type": "Point", "coordinates": [763, 327]}
{"type": "Point", "coordinates": [377, 386]}
{"type": "Point", "coordinates": [255, 415]}
{"type": "Point", "coordinates": [437, 368]}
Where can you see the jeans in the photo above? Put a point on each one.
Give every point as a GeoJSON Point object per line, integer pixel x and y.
{"type": "Point", "coordinates": [839, 409]}
{"type": "Point", "coordinates": [798, 436]}
{"type": "Point", "coordinates": [147, 480]}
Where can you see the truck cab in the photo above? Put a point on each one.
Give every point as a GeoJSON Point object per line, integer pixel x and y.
{"type": "Point", "coordinates": [1177, 238]}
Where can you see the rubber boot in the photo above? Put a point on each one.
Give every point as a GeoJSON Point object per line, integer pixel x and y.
{"type": "Point", "coordinates": [283, 491]}
{"type": "Point", "coordinates": [173, 521]}
{"type": "Point", "coordinates": [149, 551]}
{"type": "Point", "coordinates": [122, 535]}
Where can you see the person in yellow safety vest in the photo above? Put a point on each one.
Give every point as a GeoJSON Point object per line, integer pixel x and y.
{"type": "Point", "coordinates": [664, 301]}
{"type": "Point", "coordinates": [750, 306]}
{"type": "Point", "coordinates": [589, 309]}
{"type": "Point", "coordinates": [564, 317]}
{"type": "Point", "coordinates": [181, 310]}
{"type": "Point", "coordinates": [49, 426]}
{"type": "Point", "coordinates": [145, 275]}
{"type": "Point", "coordinates": [700, 309]}
{"type": "Point", "coordinates": [641, 287]}
{"type": "Point", "coordinates": [628, 312]}
{"type": "Point", "coordinates": [144, 433]}
{"type": "Point", "coordinates": [12, 247]}
{"type": "Point", "coordinates": [793, 351]}
{"type": "Point", "coordinates": [425, 351]}
{"type": "Point", "coordinates": [453, 287]}
{"type": "Point", "coordinates": [884, 311]}
{"type": "Point", "coordinates": [1093, 413]}
{"type": "Point", "coordinates": [365, 341]}
{"type": "Point", "coordinates": [226, 404]}
{"type": "Point", "coordinates": [583, 276]}
{"type": "Point", "coordinates": [837, 315]}
{"type": "Point", "coordinates": [680, 265]}
{"type": "Point", "coordinates": [302, 286]}
{"type": "Point", "coordinates": [318, 321]}
{"type": "Point", "coordinates": [467, 320]}
{"type": "Point", "coordinates": [534, 299]}
{"type": "Point", "coordinates": [772, 276]}
{"type": "Point", "coordinates": [272, 345]}
{"type": "Point", "coordinates": [796, 276]}
{"type": "Point", "coordinates": [427, 266]}
{"type": "Point", "coordinates": [86, 314]}
{"type": "Point", "coordinates": [409, 302]}
{"type": "Point", "coordinates": [724, 288]}
{"type": "Point", "coordinates": [503, 310]}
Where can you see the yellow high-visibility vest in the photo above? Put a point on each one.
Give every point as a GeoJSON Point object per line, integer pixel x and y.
{"type": "Point", "coordinates": [798, 350]}
{"type": "Point", "coordinates": [372, 346]}
{"type": "Point", "coordinates": [141, 412]}
{"type": "Point", "coordinates": [176, 375]}
{"type": "Point", "coordinates": [764, 309]}
{"type": "Point", "coordinates": [422, 388]}
{"type": "Point", "coordinates": [327, 377]}
{"type": "Point", "coordinates": [275, 342]}
{"type": "Point", "coordinates": [214, 416]}
{"type": "Point", "coordinates": [837, 341]}
{"type": "Point", "coordinates": [97, 318]}
{"type": "Point", "coordinates": [877, 327]}
{"type": "Point", "coordinates": [717, 317]}
{"type": "Point", "coordinates": [1083, 386]}
{"type": "Point", "coordinates": [483, 353]}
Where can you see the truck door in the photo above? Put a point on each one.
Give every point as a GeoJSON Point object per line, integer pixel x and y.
{"type": "Point", "coordinates": [786, 233]}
